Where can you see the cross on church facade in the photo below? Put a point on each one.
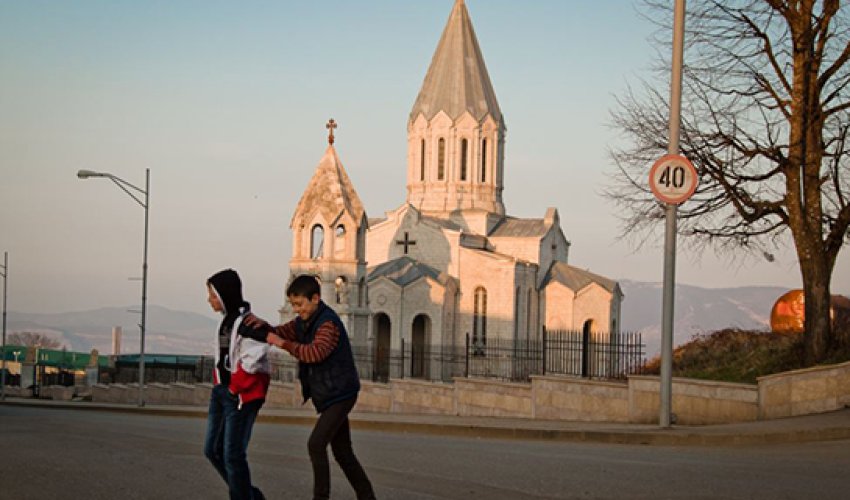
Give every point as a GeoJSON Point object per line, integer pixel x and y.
{"type": "Point", "coordinates": [331, 126]}
{"type": "Point", "coordinates": [406, 242]}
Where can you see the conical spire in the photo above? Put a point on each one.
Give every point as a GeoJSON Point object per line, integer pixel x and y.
{"type": "Point", "coordinates": [457, 79]}
{"type": "Point", "coordinates": [330, 191]}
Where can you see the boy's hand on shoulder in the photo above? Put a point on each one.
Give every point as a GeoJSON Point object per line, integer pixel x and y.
{"type": "Point", "coordinates": [274, 340]}
{"type": "Point", "coordinates": [255, 322]}
{"type": "Point", "coordinates": [253, 332]}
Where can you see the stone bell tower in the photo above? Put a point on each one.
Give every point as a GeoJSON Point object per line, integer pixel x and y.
{"type": "Point", "coordinates": [329, 241]}
{"type": "Point", "coordinates": [456, 132]}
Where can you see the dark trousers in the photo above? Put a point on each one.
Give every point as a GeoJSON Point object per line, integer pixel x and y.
{"type": "Point", "coordinates": [332, 427]}
{"type": "Point", "coordinates": [226, 444]}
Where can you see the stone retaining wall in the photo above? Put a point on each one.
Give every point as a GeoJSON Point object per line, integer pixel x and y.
{"type": "Point", "coordinates": [695, 402]}
{"type": "Point", "coordinates": [375, 398]}
{"type": "Point", "coordinates": [488, 398]}
{"type": "Point", "coordinates": [801, 392]}
{"type": "Point", "coordinates": [561, 398]}
{"type": "Point", "coordinates": [419, 396]}
{"type": "Point", "coordinates": [282, 395]}
{"type": "Point", "coordinates": [157, 393]}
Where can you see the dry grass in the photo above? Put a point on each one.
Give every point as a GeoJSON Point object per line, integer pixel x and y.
{"type": "Point", "coordinates": [734, 355]}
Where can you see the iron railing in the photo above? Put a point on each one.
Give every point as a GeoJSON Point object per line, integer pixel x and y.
{"type": "Point", "coordinates": [561, 352]}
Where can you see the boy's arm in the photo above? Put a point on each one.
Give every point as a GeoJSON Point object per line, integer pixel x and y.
{"type": "Point", "coordinates": [323, 344]}
{"type": "Point", "coordinates": [285, 331]}
{"type": "Point", "coordinates": [259, 329]}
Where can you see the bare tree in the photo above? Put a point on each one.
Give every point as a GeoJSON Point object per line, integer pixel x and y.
{"type": "Point", "coordinates": [34, 339]}
{"type": "Point", "coordinates": [765, 119]}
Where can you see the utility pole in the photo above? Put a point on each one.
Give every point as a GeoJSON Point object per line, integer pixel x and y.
{"type": "Point", "coordinates": [5, 274]}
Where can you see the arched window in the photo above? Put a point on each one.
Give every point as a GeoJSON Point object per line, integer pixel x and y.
{"type": "Point", "coordinates": [317, 241]}
{"type": "Point", "coordinates": [422, 161]}
{"type": "Point", "coordinates": [479, 321]}
{"type": "Point", "coordinates": [464, 146]}
{"type": "Point", "coordinates": [441, 159]}
{"type": "Point", "coordinates": [483, 160]}
{"type": "Point", "coordinates": [341, 289]}
{"type": "Point", "coordinates": [339, 243]}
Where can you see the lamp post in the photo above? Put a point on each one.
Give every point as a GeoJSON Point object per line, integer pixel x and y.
{"type": "Point", "coordinates": [4, 274]}
{"type": "Point", "coordinates": [126, 187]}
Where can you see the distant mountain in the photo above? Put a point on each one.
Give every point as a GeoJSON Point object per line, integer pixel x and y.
{"type": "Point", "coordinates": [168, 331]}
{"type": "Point", "coordinates": [696, 310]}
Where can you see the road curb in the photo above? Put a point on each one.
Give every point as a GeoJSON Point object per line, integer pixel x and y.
{"type": "Point", "coordinates": [675, 436]}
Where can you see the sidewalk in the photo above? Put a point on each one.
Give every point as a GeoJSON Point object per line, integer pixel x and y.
{"type": "Point", "coordinates": [825, 426]}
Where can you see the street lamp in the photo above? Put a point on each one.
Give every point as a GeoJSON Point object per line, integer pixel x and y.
{"type": "Point", "coordinates": [126, 187]}
{"type": "Point", "coordinates": [4, 274]}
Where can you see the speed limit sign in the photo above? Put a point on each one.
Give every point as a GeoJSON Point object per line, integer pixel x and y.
{"type": "Point", "coordinates": [673, 179]}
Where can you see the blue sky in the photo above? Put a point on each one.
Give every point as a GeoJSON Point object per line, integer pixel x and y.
{"type": "Point", "coordinates": [226, 103]}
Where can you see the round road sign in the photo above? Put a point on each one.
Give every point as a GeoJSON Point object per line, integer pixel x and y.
{"type": "Point", "coordinates": [673, 179]}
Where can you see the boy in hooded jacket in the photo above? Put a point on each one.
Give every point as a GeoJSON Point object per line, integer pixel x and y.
{"type": "Point", "coordinates": [241, 381]}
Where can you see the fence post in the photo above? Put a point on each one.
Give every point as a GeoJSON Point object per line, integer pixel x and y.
{"type": "Point", "coordinates": [402, 360]}
{"type": "Point", "coordinates": [544, 349]}
{"type": "Point", "coordinates": [466, 357]}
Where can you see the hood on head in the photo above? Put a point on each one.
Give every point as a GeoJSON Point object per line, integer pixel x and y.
{"type": "Point", "coordinates": [228, 286]}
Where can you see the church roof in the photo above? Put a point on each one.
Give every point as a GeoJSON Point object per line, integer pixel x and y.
{"type": "Point", "coordinates": [575, 279]}
{"type": "Point", "coordinates": [330, 191]}
{"type": "Point", "coordinates": [511, 227]}
{"type": "Point", "coordinates": [404, 271]}
{"type": "Point", "coordinates": [457, 79]}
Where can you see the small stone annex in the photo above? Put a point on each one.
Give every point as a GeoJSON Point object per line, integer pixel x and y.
{"type": "Point", "coordinates": [449, 266]}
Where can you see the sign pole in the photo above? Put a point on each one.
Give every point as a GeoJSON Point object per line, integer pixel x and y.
{"type": "Point", "coordinates": [5, 275]}
{"type": "Point", "coordinates": [666, 389]}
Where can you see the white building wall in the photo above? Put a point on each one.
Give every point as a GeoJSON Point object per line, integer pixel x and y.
{"type": "Point", "coordinates": [557, 307]}
{"type": "Point", "coordinates": [497, 276]}
{"type": "Point", "coordinates": [593, 303]}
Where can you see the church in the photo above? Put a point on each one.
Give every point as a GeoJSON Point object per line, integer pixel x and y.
{"type": "Point", "coordinates": [449, 268]}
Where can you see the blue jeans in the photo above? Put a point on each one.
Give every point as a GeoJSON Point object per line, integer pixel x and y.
{"type": "Point", "coordinates": [228, 433]}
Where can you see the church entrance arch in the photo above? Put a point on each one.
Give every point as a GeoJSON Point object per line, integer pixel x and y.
{"type": "Point", "coordinates": [421, 331]}
{"type": "Point", "coordinates": [383, 326]}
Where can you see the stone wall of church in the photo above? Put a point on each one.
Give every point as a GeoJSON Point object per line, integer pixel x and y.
{"type": "Point", "coordinates": [432, 245]}
{"type": "Point", "coordinates": [527, 249]}
{"type": "Point", "coordinates": [526, 298]}
{"type": "Point", "coordinates": [496, 275]}
{"type": "Point", "coordinates": [593, 303]}
{"type": "Point", "coordinates": [553, 248]}
{"type": "Point", "coordinates": [557, 305]}
{"type": "Point", "coordinates": [403, 305]}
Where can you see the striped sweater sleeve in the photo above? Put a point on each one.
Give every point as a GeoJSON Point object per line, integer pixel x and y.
{"type": "Point", "coordinates": [324, 342]}
{"type": "Point", "coordinates": [285, 331]}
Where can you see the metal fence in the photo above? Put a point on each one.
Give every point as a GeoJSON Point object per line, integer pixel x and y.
{"type": "Point", "coordinates": [572, 353]}
{"type": "Point", "coordinates": [560, 352]}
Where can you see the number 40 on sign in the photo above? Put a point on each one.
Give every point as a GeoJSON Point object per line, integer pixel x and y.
{"type": "Point", "coordinates": [673, 179]}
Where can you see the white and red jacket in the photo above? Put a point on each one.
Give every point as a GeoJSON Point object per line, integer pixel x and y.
{"type": "Point", "coordinates": [249, 366]}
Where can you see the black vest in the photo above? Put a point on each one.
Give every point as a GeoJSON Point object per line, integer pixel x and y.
{"type": "Point", "coordinates": [335, 378]}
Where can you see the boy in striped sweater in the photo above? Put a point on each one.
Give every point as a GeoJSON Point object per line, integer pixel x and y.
{"type": "Point", "coordinates": [318, 340]}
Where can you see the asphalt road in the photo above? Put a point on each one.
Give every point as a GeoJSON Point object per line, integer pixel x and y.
{"type": "Point", "coordinates": [52, 453]}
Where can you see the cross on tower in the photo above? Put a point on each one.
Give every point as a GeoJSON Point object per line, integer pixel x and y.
{"type": "Point", "coordinates": [406, 242]}
{"type": "Point", "coordinates": [331, 126]}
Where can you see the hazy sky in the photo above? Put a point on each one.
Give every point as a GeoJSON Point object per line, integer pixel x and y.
{"type": "Point", "coordinates": [226, 102]}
